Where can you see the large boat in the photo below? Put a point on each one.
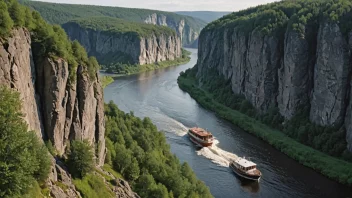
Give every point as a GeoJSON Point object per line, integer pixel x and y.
{"type": "Point", "coordinates": [245, 169]}
{"type": "Point", "coordinates": [200, 137]}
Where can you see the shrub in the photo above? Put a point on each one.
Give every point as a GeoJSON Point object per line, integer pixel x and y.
{"type": "Point", "coordinates": [80, 158]}
{"type": "Point", "coordinates": [23, 157]}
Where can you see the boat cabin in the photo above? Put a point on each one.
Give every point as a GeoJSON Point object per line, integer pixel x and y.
{"type": "Point", "coordinates": [245, 165]}
{"type": "Point", "coordinates": [201, 133]}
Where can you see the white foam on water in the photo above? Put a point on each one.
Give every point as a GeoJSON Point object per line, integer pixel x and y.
{"type": "Point", "coordinates": [217, 155]}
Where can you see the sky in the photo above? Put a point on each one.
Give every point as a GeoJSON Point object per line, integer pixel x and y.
{"type": "Point", "coordinates": [174, 5]}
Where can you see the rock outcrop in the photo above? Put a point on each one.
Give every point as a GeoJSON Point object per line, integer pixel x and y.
{"type": "Point", "coordinates": [55, 108]}
{"type": "Point", "coordinates": [285, 70]}
{"type": "Point", "coordinates": [187, 34]}
{"type": "Point", "coordinates": [126, 47]}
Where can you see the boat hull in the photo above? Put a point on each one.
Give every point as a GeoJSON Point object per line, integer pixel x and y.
{"type": "Point", "coordinates": [198, 142]}
{"type": "Point", "coordinates": [244, 175]}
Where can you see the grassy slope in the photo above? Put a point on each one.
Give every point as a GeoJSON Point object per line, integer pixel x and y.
{"type": "Point", "coordinates": [331, 167]}
{"type": "Point", "coordinates": [62, 13]}
{"type": "Point", "coordinates": [120, 26]}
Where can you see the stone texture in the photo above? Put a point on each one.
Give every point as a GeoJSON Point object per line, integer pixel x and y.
{"type": "Point", "coordinates": [187, 34]}
{"type": "Point", "coordinates": [144, 50]}
{"type": "Point", "coordinates": [288, 70]}
{"type": "Point", "coordinates": [331, 72]}
{"type": "Point", "coordinates": [17, 70]}
{"type": "Point", "coordinates": [54, 108]}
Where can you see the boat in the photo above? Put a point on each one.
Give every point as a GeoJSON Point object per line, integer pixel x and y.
{"type": "Point", "coordinates": [200, 137]}
{"type": "Point", "coordinates": [245, 169]}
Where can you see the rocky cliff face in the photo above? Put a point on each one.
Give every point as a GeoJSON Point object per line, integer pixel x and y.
{"type": "Point", "coordinates": [286, 71]}
{"type": "Point", "coordinates": [56, 109]}
{"type": "Point", "coordinates": [187, 34]}
{"type": "Point", "coordinates": [126, 47]}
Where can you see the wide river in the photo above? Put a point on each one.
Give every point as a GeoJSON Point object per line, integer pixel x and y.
{"type": "Point", "coordinates": [156, 95]}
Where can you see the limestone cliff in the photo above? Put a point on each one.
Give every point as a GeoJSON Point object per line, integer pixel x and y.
{"type": "Point", "coordinates": [126, 47]}
{"type": "Point", "coordinates": [56, 109]}
{"type": "Point", "coordinates": [285, 69]}
{"type": "Point", "coordinates": [183, 29]}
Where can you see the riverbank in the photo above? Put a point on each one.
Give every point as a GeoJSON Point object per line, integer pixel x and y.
{"type": "Point", "coordinates": [106, 80]}
{"type": "Point", "coordinates": [333, 168]}
{"type": "Point", "coordinates": [118, 70]}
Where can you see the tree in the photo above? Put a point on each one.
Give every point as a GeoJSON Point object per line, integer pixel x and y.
{"type": "Point", "coordinates": [6, 22]}
{"type": "Point", "coordinates": [17, 13]}
{"type": "Point", "coordinates": [123, 158]}
{"type": "Point", "coordinates": [132, 172]}
{"type": "Point", "coordinates": [80, 158]}
{"type": "Point", "coordinates": [23, 157]}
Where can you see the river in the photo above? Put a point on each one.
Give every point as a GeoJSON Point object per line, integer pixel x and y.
{"type": "Point", "coordinates": [156, 95]}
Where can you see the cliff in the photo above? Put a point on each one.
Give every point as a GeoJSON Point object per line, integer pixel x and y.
{"type": "Point", "coordinates": [124, 42]}
{"type": "Point", "coordinates": [285, 62]}
{"type": "Point", "coordinates": [187, 28]}
{"type": "Point", "coordinates": [52, 107]}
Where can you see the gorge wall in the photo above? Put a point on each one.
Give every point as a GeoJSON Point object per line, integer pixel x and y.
{"type": "Point", "coordinates": [183, 29]}
{"type": "Point", "coordinates": [54, 107]}
{"type": "Point", "coordinates": [287, 69]}
{"type": "Point", "coordinates": [126, 46]}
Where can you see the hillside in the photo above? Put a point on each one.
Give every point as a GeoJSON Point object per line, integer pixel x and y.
{"type": "Point", "coordinates": [116, 41]}
{"type": "Point", "coordinates": [207, 16]}
{"type": "Point", "coordinates": [187, 28]}
{"type": "Point", "coordinates": [288, 65]}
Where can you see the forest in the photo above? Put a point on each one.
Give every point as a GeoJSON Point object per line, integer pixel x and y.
{"type": "Point", "coordinates": [274, 17]}
{"type": "Point", "coordinates": [62, 13]}
{"type": "Point", "coordinates": [122, 27]}
{"type": "Point", "coordinates": [138, 151]}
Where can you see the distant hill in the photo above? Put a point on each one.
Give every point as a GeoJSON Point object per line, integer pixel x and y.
{"type": "Point", "coordinates": [207, 16]}
{"type": "Point", "coordinates": [188, 28]}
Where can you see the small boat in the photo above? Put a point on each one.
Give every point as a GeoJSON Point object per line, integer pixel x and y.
{"type": "Point", "coordinates": [200, 137]}
{"type": "Point", "coordinates": [245, 169]}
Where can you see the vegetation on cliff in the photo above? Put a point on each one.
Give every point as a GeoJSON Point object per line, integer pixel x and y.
{"type": "Point", "coordinates": [217, 96]}
{"type": "Point", "coordinates": [61, 13]}
{"type": "Point", "coordinates": [117, 26]}
{"type": "Point", "coordinates": [48, 40]}
{"type": "Point", "coordinates": [141, 154]}
{"type": "Point", "coordinates": [276, 16]}
{"type": "Point", "coordinates": [128, 69]}
{"type": "Point", "coordinates": [24, 159]}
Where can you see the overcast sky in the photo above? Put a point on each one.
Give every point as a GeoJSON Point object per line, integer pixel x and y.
{"type": "Point", "coordinates": [174, 5]}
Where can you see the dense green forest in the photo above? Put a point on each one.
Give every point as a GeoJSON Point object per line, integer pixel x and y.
{"type": "Point", "coordinates": [123, 68]}
{"type": "Point", "coordinates": [141, 154]}
{"type": "Point", "coordinates": [120, 26]}
{"type": "Point", "coordinates": [275, 17]}
{"type": "Point", "coordinates": [62, 13]}
{"type": "Point", "coordinates": [217, 96]}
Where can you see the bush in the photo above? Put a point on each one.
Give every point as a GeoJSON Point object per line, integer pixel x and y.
{"type": "Point", "coordinates": [6, 23]}
{"type": "Point", "coordinates": [80, 159]}
{"type": "Point", "coordinates": [23, 157]}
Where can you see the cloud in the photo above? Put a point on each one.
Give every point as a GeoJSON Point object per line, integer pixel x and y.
{"type": "Point", "coordinates": [174, 5]}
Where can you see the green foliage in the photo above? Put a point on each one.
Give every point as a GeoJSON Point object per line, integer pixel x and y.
{"type": "Point", "coordinates": [6, 23]}
{"type": "Point", "coordinates": [106, 80]}
{"type": "Point", "coordinates": [331, 167]}
{"type": "Point", "coordinates": [117, 26]}
{"type": "Point", "coordinates": [141, 154]}
{"type": "Point", "coordinates": [23, 158]}
{"type": "Point", "coordinates": [47, 40]}
{"type": "Point", "coordinates": [51, 148]}
{"type": "Point", "coordinates": [127, 69]}
{"type": "Point", "coordinates": [80, 158]}
{"type": "Point", "coordinates": [273, 17]}
{"type": "Point", "coordinates": [62, 13]}
{"type": "Point", "coordinates": [92, 186]}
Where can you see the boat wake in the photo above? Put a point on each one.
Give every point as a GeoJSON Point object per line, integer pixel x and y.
{"type": "Point", "coordinates": [217, 155]}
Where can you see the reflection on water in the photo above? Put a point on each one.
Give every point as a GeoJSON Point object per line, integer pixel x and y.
{"type": "Point", "coordinates": [156, 94]}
